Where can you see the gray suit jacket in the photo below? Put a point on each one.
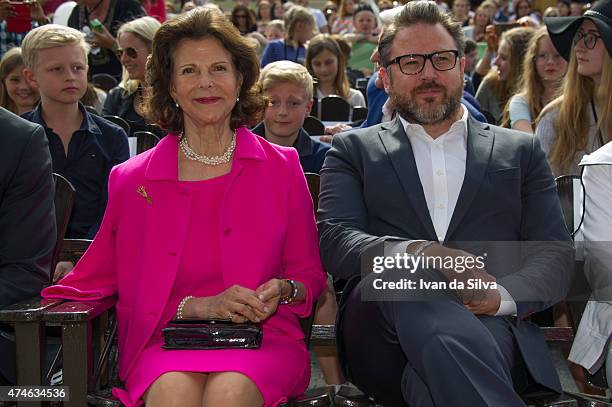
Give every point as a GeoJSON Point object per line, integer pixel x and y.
{"type": "Point", "coordinates": [27, 216]}
{"type": "Point", "coordinates": [371, 194]}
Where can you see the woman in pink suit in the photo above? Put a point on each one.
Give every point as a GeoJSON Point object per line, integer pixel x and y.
{"type": "Point", "coordinates": [214, 222]}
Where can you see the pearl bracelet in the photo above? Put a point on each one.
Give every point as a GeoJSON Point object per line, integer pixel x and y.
{"type": "Point", "coordinates": [179, 310]}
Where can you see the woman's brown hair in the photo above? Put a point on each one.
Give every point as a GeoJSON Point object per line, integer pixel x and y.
{"type": "Point", "coordinates": [200, 23]}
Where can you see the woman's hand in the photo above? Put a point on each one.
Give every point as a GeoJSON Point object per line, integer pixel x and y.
{"type": "Point", "coordinates": [270, 293]}
{"type": "Point", "coordinates": [37, 13]}
{"type": "Point", "coordinates": [104, 39]}
{"type": "Point", "coordinates": [237, 303]}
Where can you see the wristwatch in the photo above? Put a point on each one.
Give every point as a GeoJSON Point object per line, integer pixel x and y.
{"type": "Point", "coordinates": [284, 300]}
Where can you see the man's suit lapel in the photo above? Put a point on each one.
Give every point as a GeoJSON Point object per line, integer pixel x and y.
{"type": "Point", "coordinates": [479, 147]}
{"type": "Point", "coordinates": [399, 151]}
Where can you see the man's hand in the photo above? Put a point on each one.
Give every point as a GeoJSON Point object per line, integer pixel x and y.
{"type": "Point", "coordinates": [478, 292]}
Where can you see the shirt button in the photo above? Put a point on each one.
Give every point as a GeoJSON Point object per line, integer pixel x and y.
{"type": "Point", "coordinates": [440, 206]}
{"type": "Point", "coordinates": [439, 173]}
{"type": "Point", "coordinates": [439, 146]}
{"type": "Point", "coordinates": [227, 231]}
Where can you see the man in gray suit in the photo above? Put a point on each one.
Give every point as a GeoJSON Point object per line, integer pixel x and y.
{"type": "Point", "coordinates": [436, 184]}
{"type": "Point", "coordinates": [27, 221]}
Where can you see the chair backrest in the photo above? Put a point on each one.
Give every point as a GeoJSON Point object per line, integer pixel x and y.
{"type": "Point", "coordinates": [64, 201]}
{"type": "Point", "coordinates": [145, 140]}
{"type": "Point", "coordinates": [334, 108]}
{"type": "Point", "coordinates": [119, 122]}
{"type": "Point", "coordinates": [104, 81]}
{"type": "Point", "coordinates": [567, 197]}
{"type": "Point", "coordinates": [313, 126]}
{"type": "Point", "coordinates": [313, 186]}
{"type": "Point", "coordinates": [360, 113]}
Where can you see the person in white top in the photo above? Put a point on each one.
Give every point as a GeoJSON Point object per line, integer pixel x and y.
{"type": "Point", "coordinates": [591, 348]}
{"type": "Point", "coordinates": [326, 62]}
{"type": "Point", "coordinates": [473, 204]}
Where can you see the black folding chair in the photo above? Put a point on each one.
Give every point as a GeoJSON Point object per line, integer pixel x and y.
{"type": "Point", "coordinates": [119, 122]}
{"type": "Point", "coordinates": [313, 126]}
{"type": "Point", "coordinates": [64, 201]}
{"type": "Point", "coordinates": [145, 140]}
{"type": "Point", "coordinates": [359, 114]}
{"type": "Point", "coordinates": [334, 108]}
{"type": "Point", "coordinates": [104, 81]}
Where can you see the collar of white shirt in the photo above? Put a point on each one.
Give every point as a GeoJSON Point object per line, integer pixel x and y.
{"type": "Point", "coordinates": [460, 127]}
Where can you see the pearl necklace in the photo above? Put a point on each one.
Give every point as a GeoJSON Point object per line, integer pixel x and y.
{"type": "Point", "coordinates": [214, 160]}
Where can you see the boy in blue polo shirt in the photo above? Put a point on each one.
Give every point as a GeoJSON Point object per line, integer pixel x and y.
{"type": "Point", "coordinates": [84, 147]}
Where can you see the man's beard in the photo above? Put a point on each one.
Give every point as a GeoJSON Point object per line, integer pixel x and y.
{"type": "Point", "coordinates": [428, 111]}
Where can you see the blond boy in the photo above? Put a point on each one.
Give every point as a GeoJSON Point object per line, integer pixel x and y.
{"type": "Point", "coordinates": [84, 147]}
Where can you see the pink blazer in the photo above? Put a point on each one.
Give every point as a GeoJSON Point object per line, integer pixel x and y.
{"type": "Point", "coordinates": [267, 230]}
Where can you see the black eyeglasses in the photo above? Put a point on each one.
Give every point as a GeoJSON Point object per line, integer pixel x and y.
{"type": "Point", "coordinates": [129, 51]}
{"type": "Point", "coordinates": [589, 40]}
{"type": "Point", "coordinates": [413, 64]}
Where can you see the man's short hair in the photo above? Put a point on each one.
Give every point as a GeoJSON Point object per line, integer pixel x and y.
{"type": "Point", "coordinates": [470, 45]}
{"type": "Point", "coordinates": [420, 12]}
{"type": "Point", "coordinates": [50, 36]}
{"type": "Point", "coordinates": [286, 72]}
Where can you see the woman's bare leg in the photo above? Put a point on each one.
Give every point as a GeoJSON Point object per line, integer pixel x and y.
{"type": "Point", "coordinates": [184, 389]}
{"type": "Point", "coordinates": [231, 389]}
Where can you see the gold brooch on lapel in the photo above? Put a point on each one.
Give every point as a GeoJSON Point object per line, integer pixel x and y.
{"type": "Point", "coordinates": [143, 192]}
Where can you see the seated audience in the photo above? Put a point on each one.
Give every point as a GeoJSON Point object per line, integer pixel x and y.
{"type": "Point", "coordinates": [522, 9]}
{"type": "Point", "coordinates": [543, 72]}
{"type": "Point", "coordinates": [27, 222]}
{"type": "Point", "coordinates": [363, 39]}
{"type": "Point", "coordinates": [501, 82]}
{"type": "Point", "coordinates": [344, 22]}
{"type": "Point", "coordinates": [580, 120]}
{"type": "Point", "coordinates": [299, 28]}
{"type": "Point", "coordinates": [275, 30]}
{"type": "Point", "coordinates": [16, 94]}
{"type": "Point", "coordinates": [135, 42]}
{"type": "Point", "coordinates": [471, 58]}
{"type": "Point", "coordinates": [381, 198]}
{"type": "Point", "coordinates": [112, 14]}
{"type": "Point", "coordinates": [155, 8]}
{"type": "Point", "coordinates": [94, 97]}
{"type": "Point", "coordinates": [326, 62]}
{"type": "Point", "coordinates": [159, 251]}
{"type": "Point", "coordinates": [461, 12]}
{"type": "Point", "coordinates": [264, 15]}
{"type": "Point", "coordinates": [563, 6]}
{"type": "Point", "coordinates": [243, 19]}
{"type": "Point", "coordinates": [289, 87]}
{"type": "Point", "coordinates": [482, 18]}
{"type": "Point", "coordinates": [84, 147]}
{"type": "Point", "coordinates": [9, 38]}
{"type": "Point", "coordinates": [319, 17]}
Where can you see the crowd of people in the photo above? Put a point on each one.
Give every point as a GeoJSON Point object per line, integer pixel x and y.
{"type": "Point", "coordinates": [473, 108]}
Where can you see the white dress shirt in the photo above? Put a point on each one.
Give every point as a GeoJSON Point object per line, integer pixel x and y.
{"type": "Point", "coordinates": [441, 163]}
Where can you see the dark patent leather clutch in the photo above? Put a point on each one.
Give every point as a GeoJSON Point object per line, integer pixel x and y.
{"type": "Point", "coordinates": [211, 334]}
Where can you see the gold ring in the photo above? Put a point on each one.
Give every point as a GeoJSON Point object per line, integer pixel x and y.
{"type": "Point", "coordinates": [230, 316]}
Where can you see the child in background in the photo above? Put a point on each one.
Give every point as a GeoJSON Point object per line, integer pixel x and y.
{"type": "Point", "coordinates": [16, 94]}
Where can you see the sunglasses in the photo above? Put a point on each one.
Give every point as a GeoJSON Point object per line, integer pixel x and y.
{"type": "Point", "coordinates": [129, 51]}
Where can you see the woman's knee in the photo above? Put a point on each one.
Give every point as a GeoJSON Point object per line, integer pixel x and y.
{"type": "Point", "coordinates": [232, 388]}
{"type": "Point", "coordinates": [184, 386]}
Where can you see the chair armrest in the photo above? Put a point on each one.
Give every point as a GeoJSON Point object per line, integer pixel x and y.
{"type": "Point", "coordinates": [78, 311]}
{"type": "Point", "coordinates": [31, 309]}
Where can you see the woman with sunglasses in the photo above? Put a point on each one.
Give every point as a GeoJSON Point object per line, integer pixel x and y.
{"type": "Point", "coordinates": [135, 39]}
{"type": "Point", "coordinates": [580, 120]}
